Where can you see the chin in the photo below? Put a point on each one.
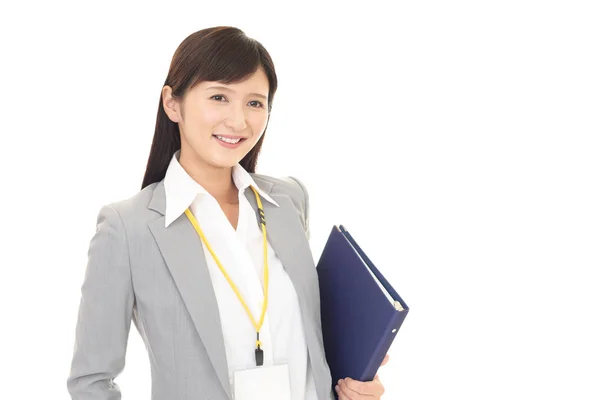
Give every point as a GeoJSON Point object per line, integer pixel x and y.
{"type": "Point", "coordinates": [224, 163]}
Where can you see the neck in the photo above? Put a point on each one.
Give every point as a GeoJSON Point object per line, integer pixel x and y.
{"type": "Point", "coordinates": [216, 180]}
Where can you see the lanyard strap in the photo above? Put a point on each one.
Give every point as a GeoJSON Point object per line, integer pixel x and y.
{"type": "Point", "coordinates": [257, 325]}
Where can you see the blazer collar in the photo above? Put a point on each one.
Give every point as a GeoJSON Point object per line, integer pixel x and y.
{"type": "Point", "coordinates": [158, 201]}
{"type": "Point", "coordinates": [181, 189]}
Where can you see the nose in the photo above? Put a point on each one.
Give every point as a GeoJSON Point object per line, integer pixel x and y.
{"type": "Point", "coordinates": [236, 120]}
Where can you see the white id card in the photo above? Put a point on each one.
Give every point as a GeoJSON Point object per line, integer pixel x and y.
{"type": "Point", "coordinates": [262, 383]}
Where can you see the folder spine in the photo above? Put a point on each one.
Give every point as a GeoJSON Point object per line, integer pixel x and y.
{"type": "Point", "coordinates": [383, 347]}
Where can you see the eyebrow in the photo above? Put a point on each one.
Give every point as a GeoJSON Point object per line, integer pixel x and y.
{"type": "Point", "coordinates": [230, 90]}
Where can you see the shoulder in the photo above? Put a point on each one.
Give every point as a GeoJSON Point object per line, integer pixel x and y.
{"type": "Point", "coordinates": [288, 185]}
{"type": "Point", "coordinates": [291, 186]}
{"type": "Point", "coordinates": [136, 204]}
{"type": "Point", "coordinates": [126, 214]}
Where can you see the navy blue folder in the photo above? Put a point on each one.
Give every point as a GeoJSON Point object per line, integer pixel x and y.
{"type": "Point", "coordinates": [359, 320]}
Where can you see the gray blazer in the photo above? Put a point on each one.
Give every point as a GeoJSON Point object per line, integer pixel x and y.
{"type": "Point", "coordinates": [138, 269]}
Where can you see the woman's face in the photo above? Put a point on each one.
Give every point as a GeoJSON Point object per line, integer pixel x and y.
{"type": "Point", "coordinates": [214, 113]}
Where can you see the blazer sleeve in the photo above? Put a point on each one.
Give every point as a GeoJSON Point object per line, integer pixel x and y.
{"type": "Point", "coordinates": [305, 204]}
{"type": "Point", "coordinates": [105, 312]}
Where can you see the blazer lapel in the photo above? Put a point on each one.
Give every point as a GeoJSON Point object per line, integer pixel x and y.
{"type": "Point", "coordinates": [286, 236]}
{"type": "Point", "coordinates": [288, 239]}
{"type": "Point", "coordinates": [182, 250]}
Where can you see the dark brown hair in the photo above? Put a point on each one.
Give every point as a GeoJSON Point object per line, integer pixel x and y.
{"type": "Point", "coordinates": [223, 54]}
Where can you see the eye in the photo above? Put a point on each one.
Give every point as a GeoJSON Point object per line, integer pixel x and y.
{"type": "Point", "coordinates": [258, 103]}
{"type": "Point", "coordinates": [217, 95]}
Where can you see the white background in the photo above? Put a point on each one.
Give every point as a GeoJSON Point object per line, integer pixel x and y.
{"type": "Point", "coordinates": [457, 141]}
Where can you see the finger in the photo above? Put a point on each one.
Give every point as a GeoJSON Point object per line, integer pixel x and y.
{"type": "Point", "coordinates": [369, 388]}
{"type": "Point", "coordinates": [386, 359]}
{"type": "Point", "coordinates": [340, 393]}
{"type": "Point", "coordinates": [347, 392]}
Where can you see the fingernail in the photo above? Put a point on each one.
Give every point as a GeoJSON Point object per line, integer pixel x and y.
{"type": "Point", "coordinates": [337, 388]}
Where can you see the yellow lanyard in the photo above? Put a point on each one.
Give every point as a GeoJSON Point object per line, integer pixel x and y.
{"type": "Point", "coordinates": [258, 352]}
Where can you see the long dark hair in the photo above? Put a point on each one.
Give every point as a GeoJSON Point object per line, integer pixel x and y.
{"type": "Point", "coordinates": [223, 54]}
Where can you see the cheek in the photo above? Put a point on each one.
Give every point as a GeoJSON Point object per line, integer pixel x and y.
{"type": "Point", "coordinates": [258, 124]}
{"type": "Point", "coordinates": [211, 116]}
{"type": "Point", "coordinates": [201, 118]}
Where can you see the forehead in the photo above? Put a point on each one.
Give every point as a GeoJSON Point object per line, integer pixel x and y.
{"type": "Point", "coordinates": [256, 83]}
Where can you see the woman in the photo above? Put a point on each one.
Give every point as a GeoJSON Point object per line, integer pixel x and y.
{"type": "Point", "coordinates": [199, 255]}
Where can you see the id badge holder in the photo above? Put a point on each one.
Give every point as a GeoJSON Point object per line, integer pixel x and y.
{"type": "Point", "coordinates": [262, 383]}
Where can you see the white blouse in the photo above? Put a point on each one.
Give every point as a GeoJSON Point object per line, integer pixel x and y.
{"type": "Point", "coordinates": [240, 251]}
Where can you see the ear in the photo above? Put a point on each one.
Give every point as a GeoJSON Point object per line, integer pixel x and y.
{"type": "Point", "coordinates": [170, 104]}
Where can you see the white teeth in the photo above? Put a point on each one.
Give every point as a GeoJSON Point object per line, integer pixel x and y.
{"type": "Point", "coordinates": [232, 141]}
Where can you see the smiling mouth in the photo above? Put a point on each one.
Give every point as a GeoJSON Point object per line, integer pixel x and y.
{"type": "Point", "coordinates": [229, 140]}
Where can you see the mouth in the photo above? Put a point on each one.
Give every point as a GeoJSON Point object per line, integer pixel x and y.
{"type": "Point", "coordinates": [229, 142]}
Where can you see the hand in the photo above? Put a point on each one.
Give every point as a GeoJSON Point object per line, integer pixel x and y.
{"type": "Point", "coordinates": [349, 389]}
